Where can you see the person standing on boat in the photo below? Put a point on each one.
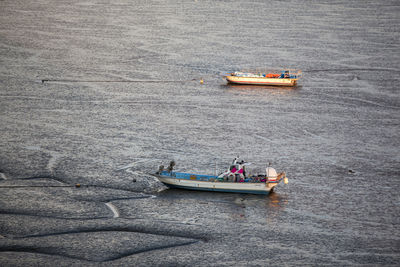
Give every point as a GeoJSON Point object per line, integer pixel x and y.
{"type": "Point", "coordinates": [230, 173]}
{"type": "Point", "coordinates": [238, 169]}
{"type": "Point", "coordinates": [235, 172]}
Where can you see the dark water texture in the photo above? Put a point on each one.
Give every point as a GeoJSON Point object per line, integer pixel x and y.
{"type": "Point", "coordinates": [336, 135]}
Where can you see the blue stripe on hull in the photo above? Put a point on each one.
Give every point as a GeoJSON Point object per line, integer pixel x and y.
{"type": "Point", "coordinates": [218, 190]}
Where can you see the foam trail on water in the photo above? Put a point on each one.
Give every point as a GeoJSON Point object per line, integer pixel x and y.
{"type": "Point", "coordinates": [113, 209]}
{"type": "Point", "coordinates": [53, 160]}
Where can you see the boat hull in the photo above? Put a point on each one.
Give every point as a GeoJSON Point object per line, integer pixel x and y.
{"type": "Point", "coordinates": [248, 188]}
{"type": "Point", "coordinates": [261, 81]}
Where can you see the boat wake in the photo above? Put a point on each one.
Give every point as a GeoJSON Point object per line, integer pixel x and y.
{"type": "Point", "coordinates": [3, 176]}
{"type": "Point", "coordinates": [113, 209]}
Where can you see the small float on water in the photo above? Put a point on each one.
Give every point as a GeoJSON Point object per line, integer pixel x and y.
{"type": "Point", "coordinates": [233, 180]}
{"type": "Point", "coordinates": [287, 77]}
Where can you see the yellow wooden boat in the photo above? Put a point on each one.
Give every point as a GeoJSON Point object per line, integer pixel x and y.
{"type": "Point", "coordinates": [278, 78]}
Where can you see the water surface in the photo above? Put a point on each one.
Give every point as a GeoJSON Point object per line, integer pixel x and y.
{"type": "Point", "coordinates": [336, 135]}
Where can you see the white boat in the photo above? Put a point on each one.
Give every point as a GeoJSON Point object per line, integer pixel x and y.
{"type": "Point", "coordinates": [234, 180]}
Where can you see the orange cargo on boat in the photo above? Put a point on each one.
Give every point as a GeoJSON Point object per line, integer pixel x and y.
{"type": "Point", "coordinates": [271, 75]}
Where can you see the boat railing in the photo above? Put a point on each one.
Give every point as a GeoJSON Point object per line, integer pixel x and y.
{"type": "Point", "coordinates": [225, 179]}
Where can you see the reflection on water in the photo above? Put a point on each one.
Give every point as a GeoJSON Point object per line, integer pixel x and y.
{"type": "Point", "coordinates": [238, 207]}
{"type": "Point", "coordinates": [260, 90]}
{"type": "Point", "coordinates": [265, 208]}
{"type": "Point", "coordinates": [273, 200]}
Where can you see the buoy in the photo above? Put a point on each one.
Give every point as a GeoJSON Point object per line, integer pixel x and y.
{"type": "Point", "coordinates": [201, 81]}
{"type": "Point", "coordinates": [77, 185]}
{"type": "Point", "coordinates": [134, 180]}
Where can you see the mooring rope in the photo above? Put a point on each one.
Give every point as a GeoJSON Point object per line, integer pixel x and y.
{"type": "Point", "coordinates": [115, 81]}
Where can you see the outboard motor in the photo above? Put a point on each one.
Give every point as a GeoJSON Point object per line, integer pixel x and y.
{"type": "Point", "coordinates": [271, 174]}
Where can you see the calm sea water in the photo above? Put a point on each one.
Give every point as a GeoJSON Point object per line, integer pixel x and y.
{"type": "Point", "coordinates": [336, 134]}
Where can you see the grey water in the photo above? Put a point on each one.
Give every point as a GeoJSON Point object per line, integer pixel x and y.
{"type": "Point", "coordinates": [79, 143]}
